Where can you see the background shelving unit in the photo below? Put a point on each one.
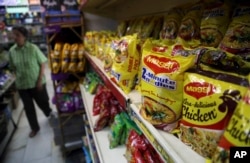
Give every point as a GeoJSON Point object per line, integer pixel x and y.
{"type": "Point", "coordinates": [70, 32]}
{"type": "Point", "coordinates": [28, 15]}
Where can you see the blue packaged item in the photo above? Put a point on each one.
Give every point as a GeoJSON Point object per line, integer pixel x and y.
{"type": "Point", "coordinates": [52, 7]}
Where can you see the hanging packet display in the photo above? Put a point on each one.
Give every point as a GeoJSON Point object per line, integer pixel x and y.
{"type": "Point", "coordinates": [81, 58]}
{"type": "Point", "coordinates": [209, 99]}
{"type": "Point", "coordinates": [237, 37]}
{"type": "Point", "coordinates": [214, 23]}
{"type": "Point", "coordinates": [56, 58]}
{"type": "Point", "coordinates": [189, 31]}
{"type": "Point", "coordinates": [65, 57]}
{"type": "Point", "coordinates": [73, 57]}
{"type": "Point", "coordinates": [126, 63]}
{"type": "Point", "coordinates": [161, 84]}
{"type": "Point", "coordinates": [236, 134]}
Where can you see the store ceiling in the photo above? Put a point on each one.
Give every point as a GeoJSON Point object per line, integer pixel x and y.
{"type": "Point", "coordinates": [123, 9]}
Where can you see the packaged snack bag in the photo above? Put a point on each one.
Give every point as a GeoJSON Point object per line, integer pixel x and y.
{"type": "Point", "coordinates": [161, 84]}
{"type": "Point", "coordinates": [189, 31]}
{"type": "Point", "coordinates": [73, 57]}
{"type": "Point", "coordinates": [171, 24]}
{"type": "Point", "coordinates": [214, 23]}
{"type": "Point", "coordinates": [237, 36]}
{"type": "Point", "coordinates": [236, 134]}
{"type": "Point", "coordinates": [81, 58]}
{"type": "Point", "coordinates": [65, 57]}
{"type": "Point", "coordinates": [209, 99]}
{"type": "Point", "coordinates": [126, 63]}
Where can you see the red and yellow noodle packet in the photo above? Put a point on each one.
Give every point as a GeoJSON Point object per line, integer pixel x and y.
{"type": "Point", "coordinates": [161, 84]}
{"type": "Point", "coordinates": [209, 99]}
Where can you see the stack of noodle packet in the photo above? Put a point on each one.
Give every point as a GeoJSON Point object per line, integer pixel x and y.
{"type": "Point", "coordinates": [211, 93]}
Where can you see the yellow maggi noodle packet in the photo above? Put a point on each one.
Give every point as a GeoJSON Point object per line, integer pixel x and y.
{"type": "Point", "coordinates": [161, 84]}
{"type": "Point", "coordinates": [65, 57]}
{"type": "Point", "coordinates": [236, 134]}
{"type": "Point", "coordinates": [237, 36]}
{"type": "Point", "coordinates": [214, 23]}
{"type": "Point", "coordinates": [189, 31]}
{"type": "Point", "coordinates": [81, 58]}
{"type": "Point", "coordinates": [126, 63]}
{"type": "Point", "coordinates": [171, 24]}
{"type": "Point", "coordinates": [209, 99]}
{"type": "Point", "coordinates": [73, 57]}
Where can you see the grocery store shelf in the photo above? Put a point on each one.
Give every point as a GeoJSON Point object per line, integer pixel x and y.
{"type": "Point", "coordinates": [105, 154]}
{"type": "Point", "coordinates": [167, 145]}
{"type": "Point", "coordinates": [123, 98]}
{"type": "Point", "coordinates": [7, 86]}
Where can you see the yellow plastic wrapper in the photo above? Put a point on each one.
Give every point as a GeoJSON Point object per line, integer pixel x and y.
{"type": "Point", "coordinates": [56, 58]}
{"type": "Point", "coordinates": [214, 23]}
{"type": "Point", "coordinates": [189, 31]}
{"type": "Point", "coordinates": [171, 24]}
{"type": "Point", "coordinates": [89, 41]}
{"type": "Point", "coordinates": [65, 57]}
{"type": "Point", "coordinates": [237, 131]}
{"type": "Point", "coordinates": [237, 37]}
{"type": "Point", "coordinates": [56, 62]}
{"type": "Point", "coordinates": [209, 100]}
{"type": "Point", "coordinates": [126, 63]}
{"type": "Point", "coordinates": [73, 58]}
{"type": "Point", "coordinates": [161, 84]}
{"type": "Point", "coordinates": [81, 58]}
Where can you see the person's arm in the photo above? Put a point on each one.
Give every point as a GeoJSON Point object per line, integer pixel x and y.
{"type": "Point", "coordinates": [41, 60]}
{"type": "Point", "coordinates": [40, 76]}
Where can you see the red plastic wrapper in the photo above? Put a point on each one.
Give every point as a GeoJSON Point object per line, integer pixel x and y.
{"type": "Point", "coordinates": [113, 112]}
{"type": "Point", "coordinates": [139, 157]}
{"type": "Point", "coordinates": [96, 105]}
{"type": "Point", "coordinates": [148, 156]}
{"type": "Point", "coordinates": [103, 119]}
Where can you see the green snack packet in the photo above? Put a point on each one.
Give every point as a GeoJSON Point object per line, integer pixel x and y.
{"type": "Point", "coordinates": [130, 125]}
{"type": "Point", "coordinates": [117, 128]}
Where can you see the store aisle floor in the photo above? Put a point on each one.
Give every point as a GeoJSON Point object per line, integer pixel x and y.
{"type": "Point", "coordinates": [41, 148]}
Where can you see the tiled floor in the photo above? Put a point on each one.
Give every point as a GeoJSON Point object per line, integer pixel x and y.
{"type": "Point", "coordinates": [41, 148]}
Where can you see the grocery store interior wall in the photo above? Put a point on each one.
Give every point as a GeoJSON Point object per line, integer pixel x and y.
{"type": "Point", "coordinates": [97, 23]}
